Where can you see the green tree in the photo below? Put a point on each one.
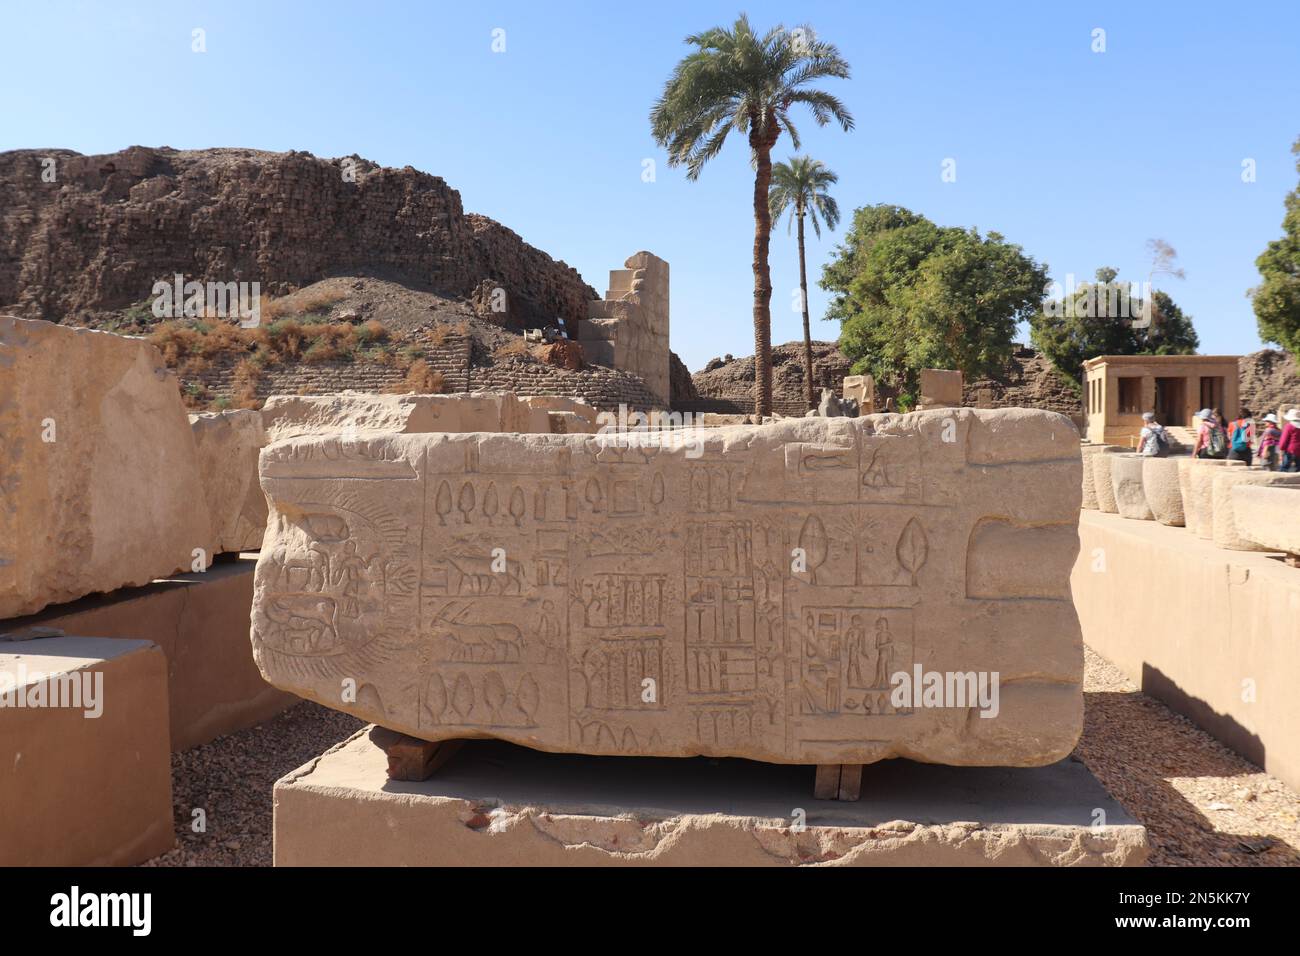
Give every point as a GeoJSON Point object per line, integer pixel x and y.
{"type": "Point", "coordinates": [800, 186]}
{"type": "Point", "coordinates": [1277, 298]}
{"type": "Point", "coordinates": [1106, 318]}
{"type": "Point", "coordinates": [738, 80]}
{"type": "Point", "coordinates": [910, 294]}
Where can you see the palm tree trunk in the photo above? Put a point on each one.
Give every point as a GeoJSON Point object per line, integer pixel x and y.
{"type": "Point", "coordinates": [762, 283]}
{"type": "Point", "coordinates": [807, 335]}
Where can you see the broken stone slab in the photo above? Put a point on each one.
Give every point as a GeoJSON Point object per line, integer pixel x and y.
{"type": "Point", "coordinates": [101, 484]}
{"type": "Point", "coordinates": [495, 804]}
{"type": "Point", "coordinates": [228, 444]}
{"type": "Point", "coordinates": [761, 591]}
{"type": "Point", "coordinates": [1126, 485]}
{"type": "Point", "coordinates": [360, 414]}
{"type": "Point", "coordinates": [1226, 533]}
{"type": "Point", "coordinates": [1268, 516]}
{"type": "Point", "coordinates": [1163, 490]}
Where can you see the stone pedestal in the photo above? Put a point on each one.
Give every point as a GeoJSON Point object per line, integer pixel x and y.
{"type": "Point", "coordinates": [85, 777]}
{"type": "Point", "coordinates": [495, 804]}
{"type": "Point", "coordinates": [200, 621]}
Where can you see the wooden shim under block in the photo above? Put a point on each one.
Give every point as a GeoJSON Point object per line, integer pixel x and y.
{"type": "Point", "coordinates": [410, 758]}
{"type": "Point", "coordinates": [850, 781]}
{"type": "Point", "coordinates": [827, 784]}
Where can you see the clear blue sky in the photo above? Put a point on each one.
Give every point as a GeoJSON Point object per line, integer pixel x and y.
{"type": "Point", "coordinates": [1080, 157]}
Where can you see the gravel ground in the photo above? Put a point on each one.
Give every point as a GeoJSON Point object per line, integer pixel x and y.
{"type": "Point", "coordinates": [230, 779]}
{"type": "Point", "coordinates": [1201, 803]}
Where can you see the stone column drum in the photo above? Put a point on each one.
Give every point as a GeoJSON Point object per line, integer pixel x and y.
{"type": "Point", "coordinates": [1126, 484]}
{"type": "Point", "coordinates": [1089, 487]}
{"type": "Point", "coordinates": [1163, 490]}
{"type": "Point", "coordinates": [1101, 468]}
{"type": "Point", "coordinates": [766, 592]}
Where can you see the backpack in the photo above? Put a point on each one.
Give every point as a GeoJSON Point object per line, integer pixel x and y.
{"type": "Point", "coordinates": [1162, 443]}
{"type": "Point", "coordinates": [1216, 446]}
{"type": "Point", "coordinates": [1240, 441]}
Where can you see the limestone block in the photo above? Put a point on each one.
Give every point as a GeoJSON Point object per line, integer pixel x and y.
{"type": "Point", "coordinates": [101, 482]}
{"type": "Point", "coordinates": [498, 805]}
{"type": "Point", "coordinates": [228, 444]}
{"type": "Point", "coordinates": [1200, 475]}
{"type": "Point", "coordinates": [1163, 491]}
{"type": "Point", "coordinates": [83, 745]}
{"type": "Point", "coordinates": [1101, 481]}
{"type": "Point", "coordinates": [1089, 488]}
{"type": "Point", "coordinates": [940, 388]}
{"type": "Point", "coordinates": [759, 594]}
{"type": "Point", "coordinates": [1268, 516]}
{"type": "Point", "coordinates": [1226, 534]}
{"type": "Point", "coordinates": [862, 389]}
{"type": "Point", "coordinates": [1126, 485]}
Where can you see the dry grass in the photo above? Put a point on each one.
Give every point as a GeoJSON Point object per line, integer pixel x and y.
{"type": "Point", "coordinates": [193, 347]}
{"type": "Point", "coordinates": [514, 349]}
{"type": "Point", "coordinates": [421, 380]}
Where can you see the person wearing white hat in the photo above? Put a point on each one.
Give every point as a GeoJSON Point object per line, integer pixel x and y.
{"type": "Point", "coordinates": [1269, 437]}
{"type": "Point", "coordinates": [1289, 444]}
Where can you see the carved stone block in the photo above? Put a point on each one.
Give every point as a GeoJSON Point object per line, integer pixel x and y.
{"type": "Point", "coordinates": [767, 593]}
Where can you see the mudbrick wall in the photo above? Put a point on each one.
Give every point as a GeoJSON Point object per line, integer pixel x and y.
{"type": "Point", "coordinates": [1270, 380]}
{"type": "Point", "coordinates": [1029, 380]}
{"type": "Point", "coordinates": [109, 226]}
{"type": "Point", "coordinates": [727, 385]}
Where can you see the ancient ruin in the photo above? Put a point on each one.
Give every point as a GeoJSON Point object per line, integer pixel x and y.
{"type": "Point", "coordinates": [758, 599]}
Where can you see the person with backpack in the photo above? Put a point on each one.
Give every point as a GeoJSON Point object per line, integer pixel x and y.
{"type": "Point", "coordinates": [1241, 436]}
{"type": "Point", "coordinates": [1289, 443]}
{"type": "Point", "coordinates": [1269, 437]}
{"type": "Point", "coordinates": [1153, 442]}
{"type": "Point", "coordinates": [1211, 442]}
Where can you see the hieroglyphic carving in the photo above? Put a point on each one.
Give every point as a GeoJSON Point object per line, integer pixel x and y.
{"type": "Point", "coordinates": [758, 600]}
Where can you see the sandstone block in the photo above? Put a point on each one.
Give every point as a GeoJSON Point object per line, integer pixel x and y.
{"type": "Point", "coordinates": [83, 743]}
{"type": "Point", "coordinates": [1101, 481]}
{"type": "Point", "coordinates": [1126, 484]}
{"type": "Point", "coordinates": [101, 482]}
{"type": "Point", "coordinates": [1089, 487]}
{"type": "Point", "coordinates": [1163, 490]}
{"type": "Point", "coordinates": [498, 805]}
{"type": "Point", "coordinates": [1201, 473]}
{"type": "Point", "coordinates": [228, 444]}
{"type": "Point", "coordinates": [1268, 516]}
{"type": "Point", "coordinates": [757, 595]}
{"type": "Point", "coordinates": [940, 388]}
{"type": "Point", "coordinates": [359, 414]}
{"type": "Point", "coordinates": [1226, 533]}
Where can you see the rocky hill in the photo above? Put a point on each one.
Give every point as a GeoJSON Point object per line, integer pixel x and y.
{"type": "Point", "coordinates": [371, 278]}
{"type": "Point", "coordinates": [1270, 380]}
{"type": "Point", "coordinates": [727, 384]}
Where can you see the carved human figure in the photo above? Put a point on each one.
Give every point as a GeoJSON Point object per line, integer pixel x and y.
{"type": "Point", "coordinates": [348, 577]}
{"type": "Point", "coordinates": [884, 652]}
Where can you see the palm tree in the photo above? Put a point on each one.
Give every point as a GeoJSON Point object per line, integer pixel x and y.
{"type": "Point", "coordinates": [800, 186]}
{"type": "Point", "coordinates": [737, 80]}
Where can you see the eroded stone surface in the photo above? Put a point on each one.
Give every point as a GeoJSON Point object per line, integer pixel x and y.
{"type": "Point", "coordinates": [1198, 494]}
{"type": "Point", "coordinates": [495, 805]}
{"type": "Point", "coordinates": [357, 414]}
{"type": "Point", "coordinates": [1089, 486]}
{"type": "Point", "coordinates": [940, 388]}
{"type": "Point", "coordinates": [100, 487]}
{"type": "Point", "coordinates": [1268, 517]}
{"type": "Point", "coordinates": [1126, 485]}
{"type": "Point", "coordinates": [1101, 481]}
{"type": "Point", "coordinates": [755, 600]}
{"type": "Point", "coordinates": [228, 444]}
{"type": "Point", "coordinates": [1226, 533]}
{"type": "Point", "coordinates": [1162, 489]}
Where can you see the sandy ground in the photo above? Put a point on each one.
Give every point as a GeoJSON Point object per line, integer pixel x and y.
{"type": "Point", "coordinates": [1201, 803]}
